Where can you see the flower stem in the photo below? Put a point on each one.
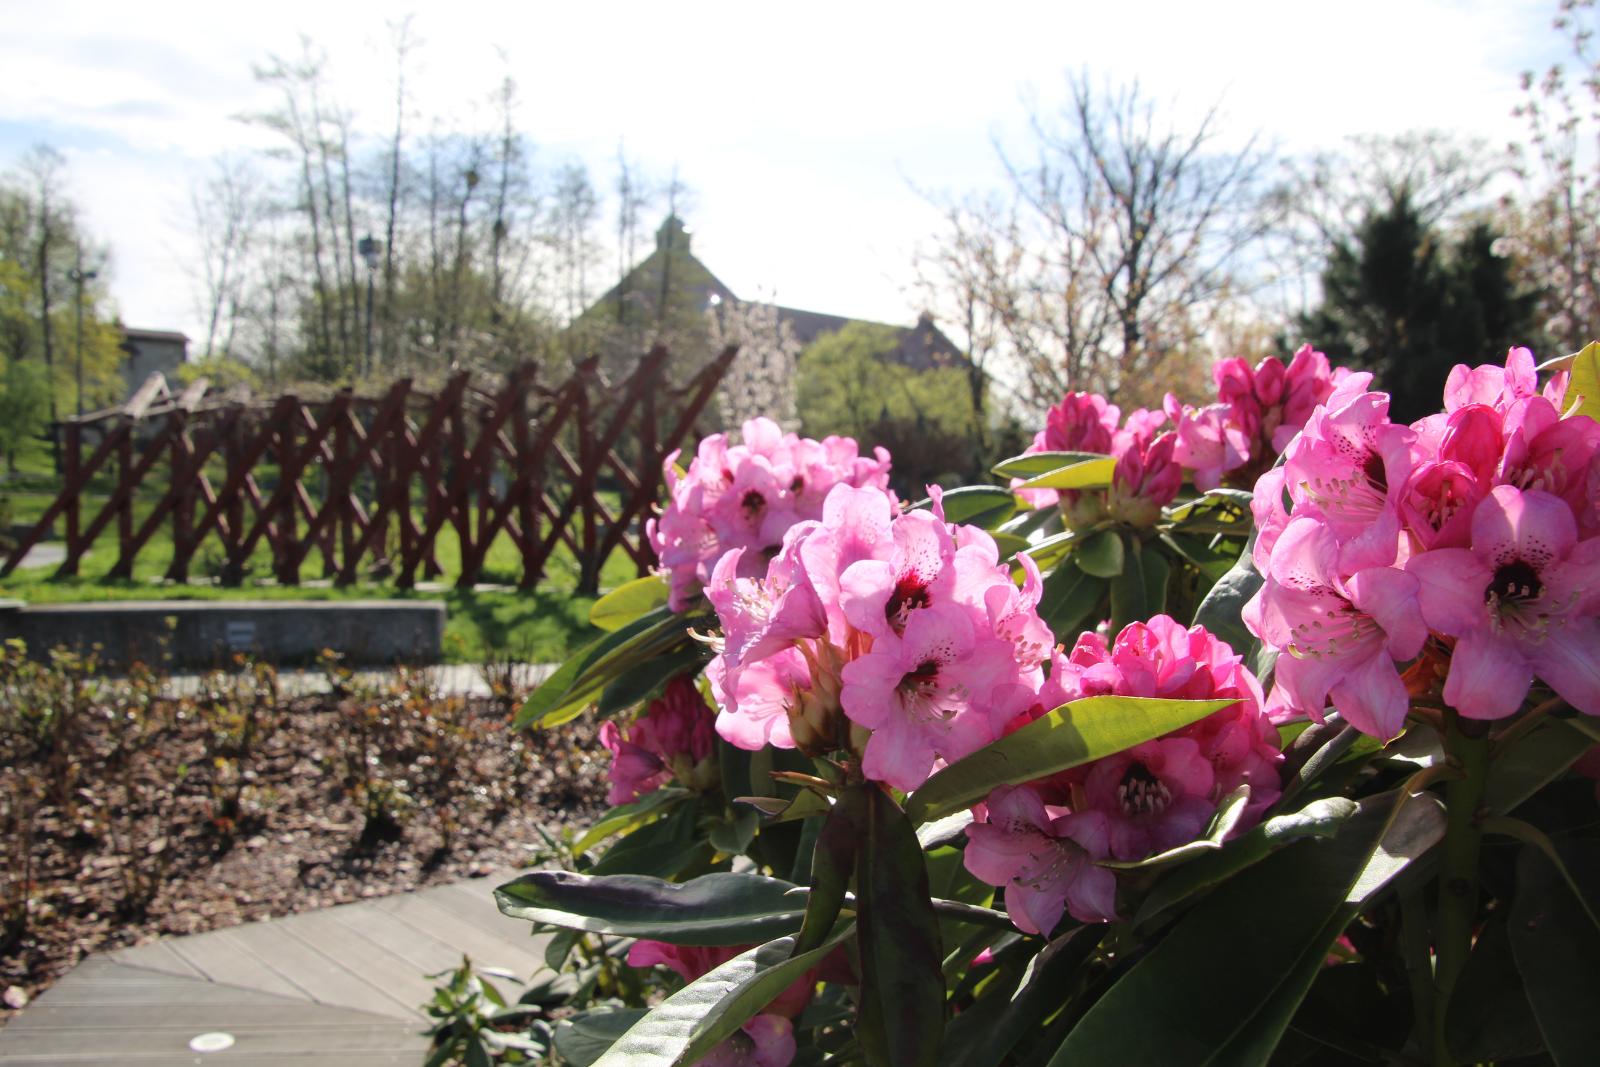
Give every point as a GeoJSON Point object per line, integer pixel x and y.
{"type": "Point", "coordinates": [1467, 744]}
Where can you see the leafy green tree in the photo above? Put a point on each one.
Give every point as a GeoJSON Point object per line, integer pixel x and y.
{"type": "Point", "coordinates": [850, 384]}
{"type": "Point", "coordinates": [1406, 300]}
{"type": "Point", "coordinates": [24, 405]}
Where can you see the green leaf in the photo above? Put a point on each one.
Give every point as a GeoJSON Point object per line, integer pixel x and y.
{"type": "Point", "coordinates": [1228, 814]}
{"type": "Point", "coordinates": [1127, 589]}
{"type": "Point", "coordinates": [832, 863]}
{"type": "Point", "coordinates": [1320, 818]}
{"type": "Point", "coordinates": [1157, 572]}
{"type": "Point", "coordinates": [1030, 464]}
{"type": "Point", "coordinates": [901, 1019]}
{"type": "Point", "coordinates": [1068, 600]}
{"type": "Point", "coordinates": [714, 909]}
{"type": "Point", "coordinates": [1272, 924]}
{"type": "Point", "coordinates": [1583, 388]}
{"type": "Point", "coordinates": [630, 816]}
{"type": "Point", "coordinates": [980, 1039]}
{"type": "Point", "coordinates": [638, 683]}
{"type": "Point", "coordinates": [1556, 945]}
{"type": "Point", "coordinates": [687, 1025]}
{"type": "Point", "coordinates": [1220, 612]}
{"type": "Point", "coordinates": [1085, 474]}
{"type": "Point", "coordinates": [664, 848]}
{"type": "Point", "coordinates": [978, 505]}
{"type": "Point", "coordinates": [1489, 1019]}
{"type": "Point", "coordinates": [732, 837]}
{"type": "Point", "coordinates": [1535, 760]}
{"type": "Point", "coordinates": [629, 601]}
{"type": "Point", "coordinates": [586, 1036]}
{"type": "Point", "coordinates": [1101, 555]}
{"type": "Point", "coordinates": [581, 678]}
{"type": "Point", "coordinates": [1071, 735]}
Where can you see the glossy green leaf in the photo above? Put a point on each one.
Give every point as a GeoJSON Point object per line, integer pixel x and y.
{"type": "Point", "coordinates": [629, 601]}
{"type": "Point", "coordinates": [1101, 555]}
{"type": "Point", "coordinates": [1085, 474]}
{"type": "Point", "coordinates": [1556, 944]}
{"type": "Point", "coordinates": [1272, 924]}
{"type": "Point", "coordinates": [630, 816]}
{"type": "Point", "coordinates": [1533, 761]}
{"type": "Point", "coordinates": [686, 1026]}
{"type": "Point", "coordinates": [977, 505]}
{"type": "Point", "coordinates": [1489, 1016]}
{"type": "Point", "coordinates": [1220, 612]}
{"type": "Point", "coordinates": [1320, 818]}
{"type": "Point", "coordinates": [642, 681]}
{"type": "Point", "coordinates": [714, 909]}
{"type": "Point", "coordinates": [1031, 464]}
{"type": "Point", "coordinates": [1128, 603]}
{"type": "Point", "coordinates": [586, 1036]}
{"type": "Point", "coordinates": [1068, 601]}
{"type": "Point", "coordinates": [832, 863]}
{"type": "Point", "coordinates": [901, 1019]}
{"type": "Point", "coordinates": [1157, 572]}
{"type": "Point", "coordinates": [1583, 388]}
{"type": "Point", "coordinates": [665, 848]}
{"type": "Point", "coordinates": [976, 1040]}
{"type": "Point", "coordinates": [1072, 734]}
{"type": "Point", "coordinates": [580, 680]}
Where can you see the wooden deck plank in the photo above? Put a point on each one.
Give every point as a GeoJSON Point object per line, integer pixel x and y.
{"type": "Point", "coordinates": [487, 950]}
{"type": "Point", "coordinates": [400, 983]}
{"type": "Point", "coordinates": [222, 957]}
{"type": "Point", "coordinates": [325, 978]}
{"type": "Point", "coordinates": [425, 953]}
{"type": "Point", "coordinates": [157, 956]}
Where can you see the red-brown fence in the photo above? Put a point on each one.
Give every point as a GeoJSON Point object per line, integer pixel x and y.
{"type": "Point", "coordinates": [368, 484]}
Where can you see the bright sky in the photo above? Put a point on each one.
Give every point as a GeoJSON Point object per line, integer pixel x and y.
{"type": "Point", "coordinates": [802, 131]}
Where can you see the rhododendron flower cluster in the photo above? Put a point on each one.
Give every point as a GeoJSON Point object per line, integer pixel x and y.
{"type": "Point", "coordinates": [894, 633]}
{"type": "Point", "coordinates": [767, 1039]}
{"type": "Point", "coordinates": [747, 496]}
{"type": "Point", "coordinates": [1040, 841]}
{"type": "Point", "coordinates": [1475, 528]}
{"type": "Point", "coordinates": [673, 739]}
{"type": "Point", "coordinates": [1257, 413]}
{"type": "Point", "coordinates": [1146, 477]}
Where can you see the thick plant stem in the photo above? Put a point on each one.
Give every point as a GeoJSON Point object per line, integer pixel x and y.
{"type": "Point", "coordinates": [1467, 744]}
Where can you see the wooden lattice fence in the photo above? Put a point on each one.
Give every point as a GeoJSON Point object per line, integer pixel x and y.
{"type": "Point", "coordinates": [368, 484]}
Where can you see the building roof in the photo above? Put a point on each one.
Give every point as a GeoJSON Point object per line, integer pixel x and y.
{"type": "Point", "coordinates": [673, 266]}
{"type": "Point", "coordinates": [168, 336]}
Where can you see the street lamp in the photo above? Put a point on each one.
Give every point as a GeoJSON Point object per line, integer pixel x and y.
{"type": "Point", "coordinates": [78, 276]}
{"type": "Point", "coordinates": [370, 248]}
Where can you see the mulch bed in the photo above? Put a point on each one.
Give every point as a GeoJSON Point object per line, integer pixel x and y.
{"type": "Point", "coordinates": [125, 816]}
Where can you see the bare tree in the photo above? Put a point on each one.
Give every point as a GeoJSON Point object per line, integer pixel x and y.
{"type": "Point", "coordinates": [224, 213]}
{"type": "Point", "coordinates": [1114, 247]}
{"type": "Point", "coordinates": [1554, 232]}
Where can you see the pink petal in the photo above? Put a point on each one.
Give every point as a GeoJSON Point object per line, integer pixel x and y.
{"type": "Point", "coordinates": [1488, 677]}
{"type": "Point", "coordinates": [1568, 659]}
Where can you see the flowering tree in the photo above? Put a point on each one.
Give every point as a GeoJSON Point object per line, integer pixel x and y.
{"type": "Point", "coordinates": [1120, 763]}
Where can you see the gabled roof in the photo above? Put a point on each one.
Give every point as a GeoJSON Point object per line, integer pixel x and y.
{"type": "Point", "coordinates": [672, 268]}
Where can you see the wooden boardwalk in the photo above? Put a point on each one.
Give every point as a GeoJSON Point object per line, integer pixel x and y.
{"type": "Point", "coordinates": [344, 985]}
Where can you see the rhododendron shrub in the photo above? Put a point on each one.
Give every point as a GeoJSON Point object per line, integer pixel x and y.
{"type": "Point", "coordinates": [1180, 744]}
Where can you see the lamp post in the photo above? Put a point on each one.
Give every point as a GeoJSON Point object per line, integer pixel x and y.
{"type": "Point", "coordinates": [369, 248]}
{"type": "Point", "coordinates": [78, 276]}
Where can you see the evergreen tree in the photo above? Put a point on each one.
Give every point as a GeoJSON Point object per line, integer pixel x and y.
{"type": "Point", "coordinates": [1402, 299]}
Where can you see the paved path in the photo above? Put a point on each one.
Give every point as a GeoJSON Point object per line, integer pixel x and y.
{"type": "Point", "coordinates": [48, 554]}
{"type": "Point", "coordinates": [343, 985]}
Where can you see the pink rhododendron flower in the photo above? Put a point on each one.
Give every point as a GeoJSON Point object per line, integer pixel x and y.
{"type": "Point", "coordinates": [1501, 387]}
{"type": "Point", "coordinates": [1147, 477]}
{"type": "Point", "coordinates": [1044, 857]}
{"type": "Point", "coordinates": [1155, 796]}
{"type": "Point", "coordinates": [1552, 454]}
{"type": "Point", "coordinates": [1521, 602]}
{"type": "Point", "coordinates": [896, 635]}
{"type": "Point", "coordinates": [672, 739]}
{"type": "Point", "coordinates": [748, 496]}
{"type": "Point", "coordinates": [1081, 422]}
{"type": "Point", "coordinates": [1340, 635]}
{"type": "Point", "coordinates": [1238, 745]}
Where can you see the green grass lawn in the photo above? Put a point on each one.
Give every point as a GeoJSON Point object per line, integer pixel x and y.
{"type": "Point", "coordinates": [541, 626]}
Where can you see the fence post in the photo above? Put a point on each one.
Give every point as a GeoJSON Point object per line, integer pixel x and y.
{"type": "Point", "coordinates": [73, 458]}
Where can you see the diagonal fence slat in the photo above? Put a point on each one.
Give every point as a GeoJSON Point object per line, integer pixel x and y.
{"type": "Point", "coordinates": [371, 484]}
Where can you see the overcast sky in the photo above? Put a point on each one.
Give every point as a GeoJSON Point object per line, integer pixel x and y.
{"type": "Point", "coordinates": [802, 130]}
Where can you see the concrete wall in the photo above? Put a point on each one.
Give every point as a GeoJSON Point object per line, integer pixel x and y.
{"type": "Point", "coordinates": [189, 633]}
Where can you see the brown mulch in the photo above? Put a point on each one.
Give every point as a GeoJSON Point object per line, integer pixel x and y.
{"type": "Point", "coordinates": [135, 817]}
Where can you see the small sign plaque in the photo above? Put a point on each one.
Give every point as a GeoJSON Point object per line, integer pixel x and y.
{"type": "Point", "coordinates": [240, 635]}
